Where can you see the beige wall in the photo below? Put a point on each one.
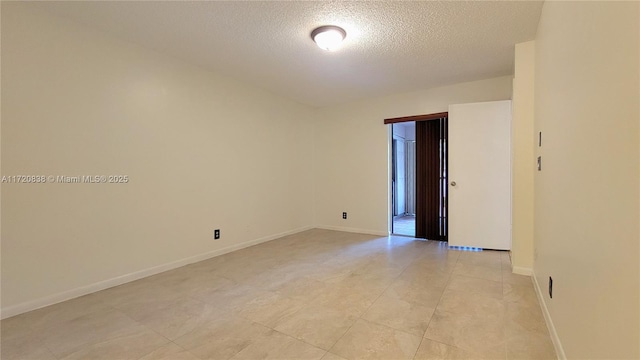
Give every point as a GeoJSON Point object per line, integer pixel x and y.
{"type": "Point", "coordinates": [523, 140]}
{"type": "Point", "coordinates": [351, 156]}
{"type": "Point", "coordinates": [586, 197]}
{"type": "Point", "coordinates": [202, 152]}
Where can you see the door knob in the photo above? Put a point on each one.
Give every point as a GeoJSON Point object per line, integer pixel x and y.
{"type": "Point", "coordinates": [453, 183]}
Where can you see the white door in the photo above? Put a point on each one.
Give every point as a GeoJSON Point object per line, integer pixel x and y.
{"type": "Point", "coordinates": [480, 175]}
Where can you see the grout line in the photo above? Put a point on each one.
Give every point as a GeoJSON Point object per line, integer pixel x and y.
{"type": "Point", "coordinates": [443, 290]}
{"type": "Point", "coordinates": [182, 347]}
{"type": "Point", "coordinates": [294, 338]}
{"type": "Point", "coordinates": [278, 331]}
{"type": "Point", "coordinates": [453, 346]}
{"type": "Point", "coordinates": [374, 301]}
{"type": "Point", "coordinates": [436, 308]}
{"type": "Point", "coordinates": [49, 350]}
{"type": "Point", "coordinates": [389, 327]}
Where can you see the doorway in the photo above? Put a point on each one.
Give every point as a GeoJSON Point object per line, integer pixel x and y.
{"type": "Point", "coordinates": [403, 179]}
{"type": "Point", "coordinates": [419, 205]}
{"type": "Point", "coordinates": [467, 204]}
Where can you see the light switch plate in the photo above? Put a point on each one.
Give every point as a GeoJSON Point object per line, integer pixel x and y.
{"type": "Point", "coordinates": [539, 163]}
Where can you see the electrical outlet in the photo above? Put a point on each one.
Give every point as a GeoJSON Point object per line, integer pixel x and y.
{"type": "Point", "coordinates": [344, 215]}
{"type": "Point", "coordinates": [216, 234]}
{"type": "Point", "coordinates": [550, 287]}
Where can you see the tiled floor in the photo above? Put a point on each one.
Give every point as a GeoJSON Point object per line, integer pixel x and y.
{"type": "Point", "coordinates": [315, 295]}
{"type": "Point", "coordinates": [405, 225]}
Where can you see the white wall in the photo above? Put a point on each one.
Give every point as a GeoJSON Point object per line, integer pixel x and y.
{"type": "Point", "coordinates": [524, 165]}
{"type": "Point", "coordinates": [202, 152]}
{"type": "Point", "coordinates": [351, 155]}
{"type": "Point", "coordinates": [587, 89]}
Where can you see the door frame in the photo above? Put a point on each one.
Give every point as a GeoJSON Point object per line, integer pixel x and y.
{"type": "Point", "coordinates": [389, 121]}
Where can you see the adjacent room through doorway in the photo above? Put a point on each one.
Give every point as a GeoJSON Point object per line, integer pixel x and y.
{"type": "Point", "coordinates": [404, 179]}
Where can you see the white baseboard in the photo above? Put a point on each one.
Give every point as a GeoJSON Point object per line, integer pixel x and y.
{"type": "Point", "coordinates": [547, 317]}
{"type": "Point", "coordinates": [522, 270]}
{"type": "Point", "coordinates": [353, 230]}
{"type": "Point", "coordinates": [119, 280]}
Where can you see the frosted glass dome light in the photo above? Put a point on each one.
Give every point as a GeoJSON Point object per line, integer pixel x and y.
{"type": "Point", "coordinates": [328, 37]}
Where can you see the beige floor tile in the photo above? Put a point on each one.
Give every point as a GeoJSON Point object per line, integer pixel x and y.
{"type": "Point", "coordinates": [441, 251]}
{"type": "Point", "coordinates": [530, 345]}
{"type": "Point", "coordinates": [85, 331]}
{"type": "Point", "coordinates": [57, 314]}
{"type": "Point", "coordinates": [359, 286]}
{"type": "Point", "coordinates": [351, 299]}
{"type": "Point", "coordinates": [317, 325]}
{"type": "Point", "coordinates": [433, 350]}
{"type": "Point", "coordinates": [483, 336]}
{"type": "Point", "coordinates": [476, 285]}
{"type": "Point", "coordinates": [304, 266]}
{"type": "Point", "coordinates": [505, 258]}
{"type": "Point", "coordinates": [148, 307]}
{"type": "Point", "coordinates": [277, 346]}
{"type": "Point", "coordinates": [313, 287]}
{"type": "Point", "coordinates": [304, 289]}
{"type": "Point", "coordinates": [170, 351]}
{"type": "Point", "coordinates": [24, 346]}
{"type": "Point", "coordinates": [477, 271]}
{"type": "Point", "coordinates": [331, 356]}
{"type": "Point", "coordinates": [432, 268]}
{"type": "Point", "coordinates": [399, 314]}
{"type": "Point", "coordinates": [140, 297]}
{"type": "Point", "coordinates": [509, 277]}
{"type": "Point", "coordinates": [415, 292]}
{"type": "Point", "coordinates": [371, 280]}
{"type": "Point", "coordinates": [273, 278]}
{"type": "Point", "coordinates": [17, 326]}
{"type": "Point", "coordinates": [366, 340]}
{"type": "Point", "coordinates": [487, 258]}
{"type": "Point", "coordinates": [331, 272]}
{"type": "Point", "coordinates": [244, 269]}
{"type": "Point", "coordinates": [221, 338]}
{"type": "Point", "coordinates": [230, 297]}
{"type": "Point", "coordinates": [131, 346]}
{"type": "Point", "coordinates": [180, 318]}
{"type": "Point", "coordinates": [200, 284]}
{"type": "Point", "coordinates": [387, 264]}
{"type": "Point", "coordinates": [183, 277]}
{"type": "Point", "coordinates": [522, 294]}
{"type": "Point", "coordinates": [420, 276]}
{"type": "Point", "coordinates": [472, 304]}
{"type": "Point", "coordinates": [525, 318]}
{"type": "Point", "coordinates": [269, 308]}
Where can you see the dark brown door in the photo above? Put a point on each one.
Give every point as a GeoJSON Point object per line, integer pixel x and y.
{"type": "Point", "coordinates": [431, 179]}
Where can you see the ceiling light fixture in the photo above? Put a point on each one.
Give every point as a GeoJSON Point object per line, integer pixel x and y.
{"type": "Point", "coordinates": [328, 37]}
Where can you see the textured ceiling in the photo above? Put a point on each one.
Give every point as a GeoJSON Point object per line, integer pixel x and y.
{"type": "Point", "coordinates": [390, 46]}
